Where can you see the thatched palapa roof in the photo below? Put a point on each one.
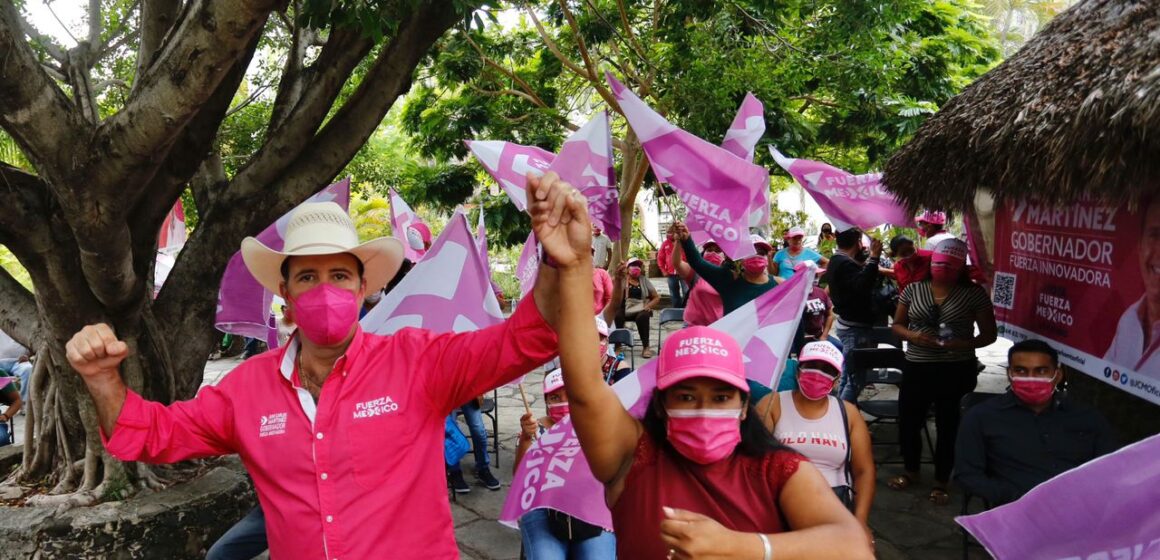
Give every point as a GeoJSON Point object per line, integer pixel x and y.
{"type": "Point", "coordinates": [1076, 111]}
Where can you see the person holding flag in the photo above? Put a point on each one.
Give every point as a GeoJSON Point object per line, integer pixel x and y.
{"type": "Point", "coordinates": [703, 304]}
{"type": "Point", "coordinates": [736, 285]}
{"type": "Point", "coordinates": [700, 474]}
{"type": "Point", "coordinates": [340, 427]}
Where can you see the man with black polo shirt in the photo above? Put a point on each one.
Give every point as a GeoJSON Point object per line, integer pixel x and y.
{"type": "Point", "coordinates": [851, 287]}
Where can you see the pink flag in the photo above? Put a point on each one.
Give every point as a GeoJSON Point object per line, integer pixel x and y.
{"type": "Point", "coordinates": [169, 244]}
{"type": "Point", "coordinates": [741, 140]}
{"type": "Point", "coordinates": [716, 186]}
{"type": "Point", "coordinates": [447, 291]}
{"type": "Point", "coordinates": [1103, 509]}
{"type": "Point", "coordinates": [554, 473]}
{"type": "Point", "coordinates": [529, 265]}
{"type": "Point", "coordinates": [585, 161]}
{"type": "Point", "coordinates": [848, 200]}
{"type": "Point", "coordinates": [408, 228]}
{"type": "Point", "coordinates": [509, 165]}
{"type": "Point", "coordinates": [243, 304]}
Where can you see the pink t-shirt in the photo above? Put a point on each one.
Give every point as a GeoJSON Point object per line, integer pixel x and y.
{"type": "Point", "coordinates": [601, 288]}
{"type": "Point", "coordinates": [360, 474]}
{"type": "Point", "coordinates": [704, 305]}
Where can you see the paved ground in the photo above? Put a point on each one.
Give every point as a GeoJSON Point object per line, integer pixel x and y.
{"type": "Point", "coordinates": [906, 525]}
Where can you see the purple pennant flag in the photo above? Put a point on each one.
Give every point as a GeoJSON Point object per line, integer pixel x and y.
{"type": "Point", "coordinates": [402, 218]}
{"type": "Point", "coordinates": [585, 161]}
{"type": "Point", "coordinates": [509, 165]}
{"type": "Point", "coordinates": [1105, 509]}
{"type": "Point", "coordinates": [848, 200]}
{"type": "Point", "coordinates": [529, 265]}
{"type": "Point", "coordinates": [554, 473]}
{"type": "Point", "coordinates": [448, 291]}
{"type": "Point", "coordinates": [716, 186]}
{"type": "Point", "coordinates": [243, 304]}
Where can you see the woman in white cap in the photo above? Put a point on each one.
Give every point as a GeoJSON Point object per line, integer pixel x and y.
{"type": "Point", "coordinates": [640, 298]}
{"type": "Point", "coordinates": [738, 282]}
{"type": "Point", "coordinates": [548, 534]}
{"type": "Point", "coordinates": [830, 432]}
{"type": "Point", "coordinates": [699, 476]}
{"type": "Point", "coordinates": [786, 260]}
{"type": "Point", "coordinates": [937, 319]}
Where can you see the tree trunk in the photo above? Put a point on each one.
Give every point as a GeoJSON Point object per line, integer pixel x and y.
{"type": "Point", "coordinates": [632, 174]}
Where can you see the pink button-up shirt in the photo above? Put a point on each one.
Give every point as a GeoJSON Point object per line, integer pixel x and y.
{"type": "Point", "coordinates": [362, 474]}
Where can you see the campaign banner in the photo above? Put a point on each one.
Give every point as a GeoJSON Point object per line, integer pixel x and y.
{"type": "Point", "coordinates": [1086, 278]}
{"type": "Point", "coordinates": [716, 186]}
{"type": "Point", "coordinates": [243, 304]}
{"type": "Point", "coordinates": [848, 200]}
{"type": "Point", "coordinates": [554, 473]}
{"type": "Point", "coordinates": [1105, 509]}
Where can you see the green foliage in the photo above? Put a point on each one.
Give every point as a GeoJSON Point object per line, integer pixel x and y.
{"type": "Point", "coordinates": [9, 263]}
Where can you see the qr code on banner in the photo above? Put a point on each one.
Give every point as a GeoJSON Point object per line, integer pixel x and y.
{"type": "Point", "coordinates": [1004, 294]}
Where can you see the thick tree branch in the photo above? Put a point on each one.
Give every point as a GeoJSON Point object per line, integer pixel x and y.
{"type": "Point", "coordinates": [18, 316]}
{"type": "Point", "coordinates": [35, 112]}
{"type": "Point", "coordinates": [23, 195]}
{"type": "Point", "coordinates": [96, 22]}
{"type": "Point", "coordinates": [293, 80]}
{"type": "Point", "coordinates": [47, 43]}
{"type": "Point", "coordinates": [157, 18]}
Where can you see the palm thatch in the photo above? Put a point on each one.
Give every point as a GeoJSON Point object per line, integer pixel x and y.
{"type": "Point", "coordinates": [1074, 113]}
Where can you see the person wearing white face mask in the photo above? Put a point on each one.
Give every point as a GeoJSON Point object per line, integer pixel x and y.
{"type": "Point", "coordinates": [1013, 442]}
{"type": "Point", "coordinates": [829, 431]}
{"type": "Point", "coordinates": [699, 476]}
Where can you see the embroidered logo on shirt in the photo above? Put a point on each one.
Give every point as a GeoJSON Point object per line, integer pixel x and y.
{"type": "Point", "coordinates": [375, 407]}
{"type": "Point", "coordinates": [272, 425]}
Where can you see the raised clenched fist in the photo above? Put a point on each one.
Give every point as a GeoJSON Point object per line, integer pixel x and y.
{"type": "Point", "coordinates": [96, 351]}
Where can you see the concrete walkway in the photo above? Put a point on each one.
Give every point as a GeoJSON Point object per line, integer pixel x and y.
{"type": "Point", "coordinates": [905, 524]}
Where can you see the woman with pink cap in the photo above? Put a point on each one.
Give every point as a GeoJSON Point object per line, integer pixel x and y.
{"type": "Point", "coordinates": [937, 319]}
{"type": "Point", "coordinates": [829, 431]}
{"type": "Point", "coordinates": [699, 475]}
{"type": "Point", "coordinates": [786, 260]}
{"type": "Point", "coordinates": [548, 534]}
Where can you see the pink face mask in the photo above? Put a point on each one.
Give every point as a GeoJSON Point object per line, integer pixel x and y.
{"type": "Point", "coordinates": [1034, 391]}
{"type": "Point", "coordinates": [634, 271]}
{"type": "Point", "coordinates": [715, 258]}
{"type": "Point", "coordinates": [557, 411]}
{"type": "Point", "coordinates": [815, 384]}
{"type": "Point", "coordinates": [704, 436]}
{"type": "Point", "coordinates": [325, 314]}
{"type": "Point", "coordinates": [754, 266]}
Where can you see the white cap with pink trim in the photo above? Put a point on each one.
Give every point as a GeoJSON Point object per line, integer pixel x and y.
{"type": "Point", "coordinates": [822, 351]}
{"type": "Point", "coordinates": [950, 250]}
{"type": "Point", "coordinates": [554, 381]}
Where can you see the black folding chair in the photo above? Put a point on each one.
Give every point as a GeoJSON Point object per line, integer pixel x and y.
{"type": "Point", "coordinates": [883, 366]}
{"type": "Point", "coordinates": [669, 315]}
{"type": "Point", "coordinates": [623, 337]}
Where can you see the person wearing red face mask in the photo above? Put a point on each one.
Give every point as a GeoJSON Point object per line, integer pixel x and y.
{"type": "Point", "coordinates": [548, 534]}
{"type": "Point", "coordinates": [339, 429]}
{"type": "Point", "coordinates": [640, 298]}
{"type": "Point", "coordinates": [937, 319]}
{"type": "Point", "coordinates": [703, 306]}
{"type": "Point", "coordinates": [829, 431]}
{"type": "Point", "coordinates": [1015, 441]}
{"type": "Point", "coordinates": [699, 476]}
{"type": "Point", "coordinates": [739, 284]}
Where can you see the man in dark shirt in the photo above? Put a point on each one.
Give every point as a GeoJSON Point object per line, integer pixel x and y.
{"type": "Point", "coordinates": [1011, 443]}
{"type": "Point", "coordinates": [851, 288]}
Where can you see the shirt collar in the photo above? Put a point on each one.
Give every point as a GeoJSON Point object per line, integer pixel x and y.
{"type": "Point", "coordinates": [289, 358]}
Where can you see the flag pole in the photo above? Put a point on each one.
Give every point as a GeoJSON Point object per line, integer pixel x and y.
{"type": "Point", "coordinates": [524, 396]}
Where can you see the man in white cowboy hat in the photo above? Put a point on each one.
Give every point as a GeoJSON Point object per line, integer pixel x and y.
{"type": "Point", "coordinates": [340, 429]}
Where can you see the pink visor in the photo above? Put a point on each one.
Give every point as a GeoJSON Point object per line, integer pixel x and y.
{"type": "Point", "coordinates": [701, 352]}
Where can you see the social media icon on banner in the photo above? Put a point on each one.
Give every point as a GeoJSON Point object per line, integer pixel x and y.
{"type": "Point", "coordinates": [1107, 372]}
{"type": "Point", "coordinates": [1116, 375]}
{"type": "Point", "coordinates": [1123, 379]}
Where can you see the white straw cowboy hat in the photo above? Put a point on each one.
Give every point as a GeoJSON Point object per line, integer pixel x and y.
{"type": "Point", "coordinates": [323, 228]}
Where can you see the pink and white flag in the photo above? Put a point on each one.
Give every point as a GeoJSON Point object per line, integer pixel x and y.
{"type": "Point", "coordinates": [169, 244]}
{"type": "Point", "coordinates": [243, 304]}
{"type": "Point", "coordinates": [716, 186]}
{"type": "Point", "coordinates": [529, 265]}
{"type": "Point", "coordinates": [554, 473]}
{"type": "Point", "coordinates": [585, 161]}
{"type": "Point", "coordinates": [402, 220]}
{"type": "Point", "coordinates": [741, 140]}
{"type": "Point", "coordinates": [1104, 509]}
{"type": "Point", "coordinates": [447, 291]}
{"type": "Point", "coordinates": [848, 200]}
{"type": "Point", "coordinates": [509, 163]}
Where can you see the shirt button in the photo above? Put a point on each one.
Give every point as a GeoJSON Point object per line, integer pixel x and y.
{"type": "Point", "coordinates": [319, 435]}
{"type": "Point", "coordinates": [323, 476]}
{"type": "Point", "coordinates": [330, 519]}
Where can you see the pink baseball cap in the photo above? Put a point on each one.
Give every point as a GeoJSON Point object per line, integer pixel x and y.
{"type": "Point", "coordinates": [932, 217]}
{"type": "Point", "coordinates": [701, 352]}
{"type": "Point", "coordinates": [554, 381]}
{"type": "Point", "coordinates": [951, 251]}
{"type": "Point", "coordinates": [822, 351]}
{"type": "Point", "coordinates": [795, 232]}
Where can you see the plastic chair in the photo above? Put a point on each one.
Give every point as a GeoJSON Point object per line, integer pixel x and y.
{"type": "Point", "coordinates": [623, 337]}
{"type": "Point", "coordinates": [669, 315]}
{"type": "Point", "coordinates": [883, 366]}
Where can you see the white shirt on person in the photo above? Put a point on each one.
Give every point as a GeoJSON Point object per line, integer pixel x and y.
{"type": "Point", "coordinates": [1129, 348]}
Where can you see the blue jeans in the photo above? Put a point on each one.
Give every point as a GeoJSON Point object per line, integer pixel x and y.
{"type": "Point", "coordinates": [23, 370]}
{"type": "Point", "coordinates": [678, 290]}
{"type": "Point", "coordinates": [245, 540]}
{"type": "Point", "coordinates": [6, 437]}
{"type": "Point", "coordinates": [540, 544]}
{"type": "Point", "coordinates": [474, 418]}
{"type": "Point", "coordinates": [851, 337]}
